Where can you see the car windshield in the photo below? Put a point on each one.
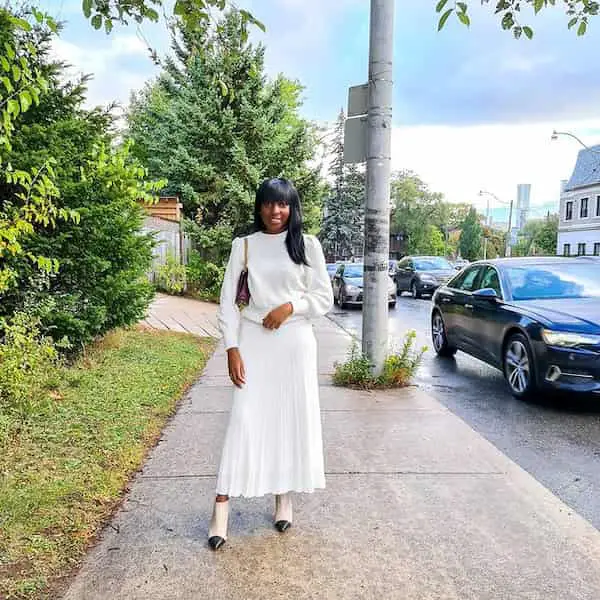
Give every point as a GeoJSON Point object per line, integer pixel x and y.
{"type": "Point", "coordinates": [435, 263]}
{"type": "Point", "coordinates": [353, 271]}
{"type": "Point", "coordinates": [568, 280]}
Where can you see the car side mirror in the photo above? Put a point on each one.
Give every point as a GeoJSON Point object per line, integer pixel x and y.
{"type": "Point", "coordinates": [486, 294]}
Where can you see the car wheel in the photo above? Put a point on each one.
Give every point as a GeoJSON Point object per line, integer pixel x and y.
{"type": "Point", "coordinates": [392, 304]}
{"type": "Point", "coordinates": [416, 294]}
{"type": "Point", "coordinates": [341, 301]}
{"type": "Point", "coordinates": [519, 367]}
{"type": "Point", "coordinates": [438, 336]}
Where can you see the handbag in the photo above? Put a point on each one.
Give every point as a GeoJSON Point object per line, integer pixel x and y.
{"type": "Point", "coordinates": [242, 297]}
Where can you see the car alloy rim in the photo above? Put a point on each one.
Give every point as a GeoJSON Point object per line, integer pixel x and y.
{"type": "Point", "coordinates": [438, 333]}
{"type": "Point", "coordinates": [414, 290]}
{"type": "Point", "coordinates": [517, 367]}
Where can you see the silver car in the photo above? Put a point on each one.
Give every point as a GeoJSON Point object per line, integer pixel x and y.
{"type": "Point", "coordinates": [348, 286]}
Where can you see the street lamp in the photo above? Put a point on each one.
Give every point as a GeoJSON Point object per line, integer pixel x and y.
{"type": "Point", "coordinates": [486, 193]}
{"type": "Point", "coordinates": [555, 135]}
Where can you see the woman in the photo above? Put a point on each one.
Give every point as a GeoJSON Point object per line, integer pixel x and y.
{"type": "Point", "coordinates": [273, 443]}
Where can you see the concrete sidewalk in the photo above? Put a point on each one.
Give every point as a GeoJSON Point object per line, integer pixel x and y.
{"type": "Point", "coordinates": [418, 506]}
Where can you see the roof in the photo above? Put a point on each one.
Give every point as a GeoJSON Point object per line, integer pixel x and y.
{"type": "Point", "coordinates": [587, 169]}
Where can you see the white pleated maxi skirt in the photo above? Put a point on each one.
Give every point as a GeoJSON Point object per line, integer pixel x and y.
{"type": "Point", "coordinates": [273, 443]}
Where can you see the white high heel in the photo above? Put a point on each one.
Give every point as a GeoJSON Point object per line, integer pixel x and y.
{"type": "Point", "coordinates": [217, 532]}
{"type": "Point", "coordinates": [283, 512]}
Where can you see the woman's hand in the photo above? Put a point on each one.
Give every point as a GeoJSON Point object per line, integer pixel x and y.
{"type": "Point", "coordinates": [235, 364]}
{"type": "Point", "coordinates": [278, 315]}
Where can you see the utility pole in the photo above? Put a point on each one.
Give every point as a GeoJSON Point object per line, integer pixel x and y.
{"type": "Point", "coordinates": [507, 251]}
{"type": "Point", "coordinates": [379, 142]}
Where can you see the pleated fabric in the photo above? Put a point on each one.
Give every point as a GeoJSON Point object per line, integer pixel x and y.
{"type": "Point", "coordinates": [273, 443]}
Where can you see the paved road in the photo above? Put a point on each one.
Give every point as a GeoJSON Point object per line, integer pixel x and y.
{"type": "Point", "coordinates": [556, 440]}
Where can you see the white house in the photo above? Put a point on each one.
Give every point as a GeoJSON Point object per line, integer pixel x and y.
{"type": "Point", "coordinates": [579, 224]}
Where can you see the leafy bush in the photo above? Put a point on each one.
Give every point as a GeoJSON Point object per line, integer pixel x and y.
{"type": "Point", "coordinates": [29, 368]}
{"type": "Point", "coordinates": [170, 277]}
{"type": "Point", "coordinates": [204, 278]}
{"type": "Point", "coordinates": [398, 369]}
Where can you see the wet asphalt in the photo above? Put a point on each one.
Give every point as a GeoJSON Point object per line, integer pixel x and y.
{"type": "Point", "coordinates": [555, 439]}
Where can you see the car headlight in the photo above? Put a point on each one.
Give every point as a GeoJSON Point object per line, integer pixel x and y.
{"type": "Point", "coordinates": [352, 289]}
{"type": "Point", "coordinates": [428, 278]}
{"type": "Point", "coordinates": [568, 339]}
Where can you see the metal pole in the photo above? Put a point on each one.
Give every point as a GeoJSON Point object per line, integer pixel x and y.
{"type": "Point", "coordinates": [507, 251]}
{"type": "Point", "coordinates": [377, 224]}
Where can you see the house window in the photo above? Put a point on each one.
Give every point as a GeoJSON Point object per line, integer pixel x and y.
{"type": "Point", "coordinates": [569, 211]}
{"type": "Point", "coordinates": [597, 249]}
{"type": "Point", "coordinates": [567, 249]}
{"type": "Point", "coordinates": [581, 249]}
{"type": "Point", "coordinates": [583, 211]}
{"type": "Point", "coordinates": [598, 206]}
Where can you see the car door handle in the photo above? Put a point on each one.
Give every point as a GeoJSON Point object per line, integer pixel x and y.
{"type": "Point", "coordinates": [468, 306]}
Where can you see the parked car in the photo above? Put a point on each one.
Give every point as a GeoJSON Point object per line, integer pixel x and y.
{"type": "Point", "coordinates": [422, 275]}
{"type": "Point", "coordinates": [348, 286]}
{"type": "Point", "coordinates": [460, 263]}
{"type": "Point", "coordinates": [536, 319]}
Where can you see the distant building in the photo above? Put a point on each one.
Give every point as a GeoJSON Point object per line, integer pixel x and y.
{"type": "Point", "coordinates": [579, 223]}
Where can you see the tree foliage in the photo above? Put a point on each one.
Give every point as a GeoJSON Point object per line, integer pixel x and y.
{"type": "Point", "coordinates": [471, 236]}
{"type": "Point", "coordinates": [539, 236]}
{"type": "Point", "coordinates": [214, 145]}
{"type": "Point", "coordinates": [100, 257]}
{"type": "Point", "coordinates": [578, 13]}
{"type": "Point", "coordinates": [26, 195]}
{"type": "Point", "coordinates": [422, 216]}
{"type": "Point", "coordinates": [342, 232]}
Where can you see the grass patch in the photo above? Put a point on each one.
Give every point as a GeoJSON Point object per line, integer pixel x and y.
{"type": "Point", "coordinates": [63, 470]}
{"type": "Point", "coordinates": [398, 370]}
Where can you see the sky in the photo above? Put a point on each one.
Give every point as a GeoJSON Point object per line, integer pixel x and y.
{"type": "Point", "coordinates": [473, 107]}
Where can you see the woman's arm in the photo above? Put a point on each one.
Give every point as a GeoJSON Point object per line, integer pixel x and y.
{"type": "Point", "coordinates": [228, 314]}
{"type": "Point", "coordinates": [318, 298]}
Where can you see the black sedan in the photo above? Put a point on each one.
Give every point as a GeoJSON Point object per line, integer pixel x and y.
{"type": "Point", "coordinates": [536, 319]}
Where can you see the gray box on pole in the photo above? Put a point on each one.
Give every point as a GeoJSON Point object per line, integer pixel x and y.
{"type": "Point", "coordinates": [355, 140]}
{"type": "Point", "coordinates": [358, 100]}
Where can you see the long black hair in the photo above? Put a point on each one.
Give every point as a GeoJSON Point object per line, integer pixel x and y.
{"type": "Point", "coordinates": [283, 190]}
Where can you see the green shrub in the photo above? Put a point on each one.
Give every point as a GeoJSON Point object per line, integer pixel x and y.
{"type": "Point", "coordinates": [29, 368]}
{"type": "Point", "coordinates": [170, 277]}
{"type": "Point", "coordinates": [398, 369]}
{"type": "Point", "coordinates": [204, 278]}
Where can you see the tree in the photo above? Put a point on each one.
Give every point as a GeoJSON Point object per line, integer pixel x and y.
{"type": "Point", "coordinates": [342, 231]}
{"type": "Point", "coordinates": [214, 146]}
{"type": "Point", "coordinates": [471, 236]}
{"type": "Point", "coordinates": [26, 196]}
{"type": "Point", "coordinates": [578, 12]}
{"type": "Point", "coordinates": [539, 236]}
{"type": "Point", "coordinates": [421, 215]}
{"type": "Point", "coordinates": [101, 257]}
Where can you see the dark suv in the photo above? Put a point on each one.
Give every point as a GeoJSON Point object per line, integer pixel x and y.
{"type": "Point", "coordinates": [421, 275]}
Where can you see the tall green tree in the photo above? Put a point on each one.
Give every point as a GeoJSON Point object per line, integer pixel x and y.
{"type": "Point", "coordinates": [471, 236]}
{"type": "Point", "coordinates": [101, 257]}
{"type": "Point", "coordinates": [342, 232]}
{"type": "Point", "coordinates": [215, 144]}
{"type": "Point", "coordinates": [539, 236]}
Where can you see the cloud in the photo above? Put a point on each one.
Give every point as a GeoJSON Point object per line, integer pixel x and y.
{"type": "Point", "coordinates": [117, 68]}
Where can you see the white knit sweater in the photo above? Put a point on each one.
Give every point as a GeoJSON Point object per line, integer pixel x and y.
{"type": "Point", "coordinates": [273, 279]}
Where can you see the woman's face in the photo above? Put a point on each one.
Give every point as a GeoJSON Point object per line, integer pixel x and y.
{"type": "Point", "coordinates": [275, 216]}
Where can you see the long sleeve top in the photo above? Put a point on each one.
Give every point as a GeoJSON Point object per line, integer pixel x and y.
{"type": "Point", "coordinates": [273, 280]}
